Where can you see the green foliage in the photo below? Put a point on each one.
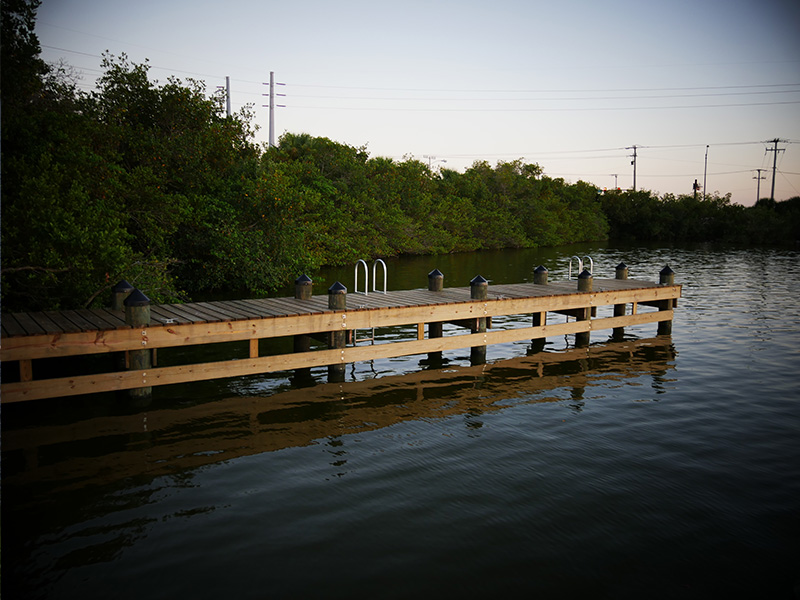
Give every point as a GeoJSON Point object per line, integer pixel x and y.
{"type": "Point", "coordinates": [642, 216]}
{"type": "Point", "coordinates": [154, 184]}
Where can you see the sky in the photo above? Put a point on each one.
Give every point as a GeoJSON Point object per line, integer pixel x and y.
{"type": "Point", "coordinates": [700, 88]}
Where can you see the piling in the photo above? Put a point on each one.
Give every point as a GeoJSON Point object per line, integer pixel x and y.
{"type": "Point", "coordinates": [585, 283]}
{"type": "Point", "coordinates": [435, 284]}
{"type": "Point", "coordinates": [665, 277]}
{"type": "Point", "coordinates": [478, 290]}
{"type": "Point", "coordinates": [137, 315]}
{"type": "Point", "coordinates": [621, 272]}
{"type": "Point", "coordinates": [539, 318]}
{"type": "Point", "coordinates": [337, 300]}
{"type": "Point", "coordinates": [118, 294]}
{"type": "Point", "coordinates": [303, 286]}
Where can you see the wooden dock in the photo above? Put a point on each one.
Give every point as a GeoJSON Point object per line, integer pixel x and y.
{"type": "Point", "coordinates": [30, 337]}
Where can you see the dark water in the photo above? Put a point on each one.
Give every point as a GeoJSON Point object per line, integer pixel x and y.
{"type": "Point", "coordinates": [653, 467]}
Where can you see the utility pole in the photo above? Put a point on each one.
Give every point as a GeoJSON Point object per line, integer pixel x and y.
{"type": "Point", "coordinates": [272, 109]}
{"type": "Point", "coordinates": [272, 106]}
{"type": "Point", "coordinates": [774, 163]}
{"type": "Point", "coordinates": [633, 162]}
{"type": "Point", "coordinates": [758, 186]}
{"type": "Point", "coordinates": [614, 175]}
{"type": "Point", "coordinates": [705, 172]}
{"type": "Point", "coordinates": [228, 94]}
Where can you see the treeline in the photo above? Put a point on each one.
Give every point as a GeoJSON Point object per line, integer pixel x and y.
{"type": "Point", "coordinates": [153, 183]}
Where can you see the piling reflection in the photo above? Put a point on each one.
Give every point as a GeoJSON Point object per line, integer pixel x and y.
{"type": "Point", "coordinates": [101, 450]}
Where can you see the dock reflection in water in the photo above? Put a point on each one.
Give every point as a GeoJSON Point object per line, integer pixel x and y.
{"type": "Point", "coordinates": [157, 442]}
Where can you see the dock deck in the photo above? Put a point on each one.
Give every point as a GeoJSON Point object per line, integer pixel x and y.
{"type": "Point", "coordinates": [28, 337]}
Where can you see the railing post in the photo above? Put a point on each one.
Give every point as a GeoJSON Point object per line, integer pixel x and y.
{"type": "Point", "coordinates": [137, 315]}
{"type": "Point", "coordinates": [539, 318]}
{"type": "Point", "coordinates": [303, 287]}
{"type": "Point", "coordinates": [337, 300]}
{"type": "Point", "coordinates": [478, 290]}
{"type": "Point", "coordinates": [119, 293]}
{"type": "Point", "coordinates": [665, 277]}
{"type": "Point", "coordinates": [585, 284]}
{"type": "Point", "coordinates": [621, 272]}
{"type": "Point", "coordinates": [435, 330]}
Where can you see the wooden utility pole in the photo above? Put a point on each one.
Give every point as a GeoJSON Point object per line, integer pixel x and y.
{"type": "Point", "coordinates": [633, 162]}
{"type": "Point", "coordinates": [759, 176]}
{"type": "Point", "coordinates": [775, 163]}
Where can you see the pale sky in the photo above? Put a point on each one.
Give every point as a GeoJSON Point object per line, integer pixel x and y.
{"type": "Point", "coordinates": [570, 85]}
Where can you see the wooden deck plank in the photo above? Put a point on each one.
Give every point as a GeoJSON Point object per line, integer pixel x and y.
{"type": "Point", "coordinates": [79, 321]}
{"type": "Point", "coordinates": [263, 305]}
{"type": "Point", "coordinates": [115, 317]}
{"type": "Point", "coordinates": [246, 309]}
{"type": "Point", "coordinates": [12, 327]}
{"type": "Point", "coordinates": [223, 311]}
{"type": "Point", "coordinates": [183, 313]}
{"type": "Point", "coordinates": [95, 319]}
{"type": "Point", "coordinates": [30, 326]}
{"type": "Point", "coordinates": [161, 314]}
{"type": "Point", "coordinates": [61, 319]}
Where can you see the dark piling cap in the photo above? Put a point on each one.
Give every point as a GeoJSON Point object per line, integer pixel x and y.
{"type": "Point", "coordinates": [337, 288]}
{"type": "Point", "coordinates": [435, 273]}
{"type": "Point", "coordinates": [666, 271]}
{"type": "Point", "coordinates": [303, 280]}
{"type": "Point", "coordinates": [137, 298]}
{"type": "Point", "coordinates": [540, 269]}
{"type": "Point", "coordinates": [585, 274]}
{"type": "Point", "coordinates": [621, 266]}
{"type": "Point", "coordinates": [123, 287]}
{"type": "Point", "coordinates": [478, 280]}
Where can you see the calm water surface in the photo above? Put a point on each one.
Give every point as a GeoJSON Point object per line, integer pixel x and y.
{"type": "Point", "coordinates": [652, 467]}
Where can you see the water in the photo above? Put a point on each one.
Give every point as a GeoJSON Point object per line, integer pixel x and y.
{"type": "Point", "coordinates": [655, 467]}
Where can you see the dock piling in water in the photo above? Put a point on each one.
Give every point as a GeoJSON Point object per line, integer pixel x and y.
{"type": "Point", "coordinates": [137, 315]}
{"type": "Point", "coordinates": [337, 300]}
{"type": "Point", "coordinates": [585, 284]}
{"type": "Point", "coordinates": [435, 329]}
{"type": "Point", "coordinates": [621, 272]}
{"type": "Point", "coordinates": [478, 290]}
{"type": "Point", "coordinates": [666, 277]}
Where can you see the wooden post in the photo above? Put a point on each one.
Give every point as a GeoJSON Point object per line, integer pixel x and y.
{"type": "Point", "coordinates": [539, 318]}
{"type": "Point", "coordinates": [621, 272]}
{"type": "Point", "coordinates": [137, 315]}
{"type": "Point", "coordinates": [303, 287]}
{"type": "Point", "coordinates": [665, 277]}
{"type": "Point", "coordinates": [435, 330]}
{"type": "Point", "coordinates": [337, 300]}
{"type": "Point", "coordinates": [585, 284]}
{"type": "Point", "coordinates": [478, 290]}
{"type": "Point", "coordinates": [119, 292]}
{"type": "Point", "coordinates": [303, 290]}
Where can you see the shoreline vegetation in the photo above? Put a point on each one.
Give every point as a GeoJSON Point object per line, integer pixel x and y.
{"type": "Point", "coordinates": [152, 183]}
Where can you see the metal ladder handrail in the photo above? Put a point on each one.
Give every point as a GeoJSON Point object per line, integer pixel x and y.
{"type": "Point", "coordinates": [375, 279]}
{"type": "Point", "coordinates": [580, 265]}
{"type": "Point", "coordinates": [375, 289]}
{"type": "Point", "coordinates": [366, 277]}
